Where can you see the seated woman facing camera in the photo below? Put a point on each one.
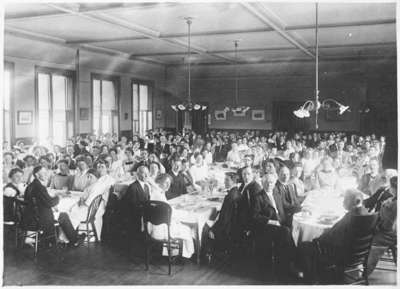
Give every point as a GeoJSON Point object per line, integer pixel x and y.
{"type": "Point", "coordinates": [178, 230]}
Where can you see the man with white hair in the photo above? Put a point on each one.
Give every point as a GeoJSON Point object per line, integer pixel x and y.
{"type": "Point", "coordinates": [373, 203]}
{"type": "Point", "coordinates": [330, 248]}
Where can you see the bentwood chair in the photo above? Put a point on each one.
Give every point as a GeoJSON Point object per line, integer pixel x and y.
{"type": "Point", "coordinates": [90, 228]}
{"type": "Point", "coordinates": [390, 256]}
{"type": "Point", "coordinates": [356, 258]}
{"type": "Point", "coordinates": [158, 213]}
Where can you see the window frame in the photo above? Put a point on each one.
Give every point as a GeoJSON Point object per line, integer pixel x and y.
{"type": "Point", "coordinates": [55, 71]}
{"type": "Point", "coordinates": [151, 84]}
{"type": "Point", "coordinates": [117, 85]}
{"type": "Point", "coordinates": [11, 67]}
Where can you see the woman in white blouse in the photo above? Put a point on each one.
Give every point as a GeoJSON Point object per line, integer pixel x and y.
{"type": "Point", "coordinates": [199, 170]}
{"type": "Point", "coordinates": [177, 229]}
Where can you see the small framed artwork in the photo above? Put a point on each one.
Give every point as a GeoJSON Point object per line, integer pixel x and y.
{"type": "Point", "coordinates": [24, 117]}
{"type": "Point", "coordinates": [83, 113]}
{"type": "Point", "coordinates": [258, 114]}
{"type": "Point", "coordinates": [220, 115]}
{"type": "Point", "coordinates": [158, 114]}
{"type": "Point", "coordinates": [239, 113]}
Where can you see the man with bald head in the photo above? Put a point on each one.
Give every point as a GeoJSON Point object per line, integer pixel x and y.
{"type": "Point", "coordinates": [131, 203]}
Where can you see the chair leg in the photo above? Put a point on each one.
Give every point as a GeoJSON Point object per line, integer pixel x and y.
{"type": "Point", "coordinates": [16, 237]}
{"type": "Point", "coordinates": [87, 232]}
{"type": "Point", "coordinates": [147, 256]}
{"type": "Point", "coordinates": [96, 237]}
{"type": "Point", "coordinates": [36, 243]}
{"type": "Point", "coordinates": [169, 258]}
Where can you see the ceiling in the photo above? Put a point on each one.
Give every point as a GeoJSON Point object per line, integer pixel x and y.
{"type": "Point", "coordinates": [157, 32]}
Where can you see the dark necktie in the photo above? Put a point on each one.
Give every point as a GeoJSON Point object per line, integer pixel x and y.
{"type": "Point", "coordinates": [146, 191]}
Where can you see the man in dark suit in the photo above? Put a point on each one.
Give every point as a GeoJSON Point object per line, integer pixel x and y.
{"type": "Point", "coordinates": [142, 161]}
{"type": "Point", "coordinates": [224, 232]}
{"type": "Point", "coordinates": [286, 192]}
{"type": "Point", "coordinates": [162, 147]}
{"type": "Point", "coordinates": [248, 162]}
{"type": "Point", "coordinates": [374, 202]}
{"type": "Point", "coordinates": [178, 186]}
{"type": "Point", "coordinates": [332, 245]}
{"type": "Point", "coordinates": [248, 189]}
{"type": "Point", "coordinates": [131, 204]}
{"type": "Point", "coordinates": [269, 216]}
{"type": "Point", "coordinates": [38, 212]}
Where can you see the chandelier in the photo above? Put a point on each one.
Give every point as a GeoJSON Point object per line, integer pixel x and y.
{"type": "Point", "coordinates": [188, 105]}
{"type": "Point", "coordinates": [315, 105]}
{"type": "Point", "coordinates": [236, 108]}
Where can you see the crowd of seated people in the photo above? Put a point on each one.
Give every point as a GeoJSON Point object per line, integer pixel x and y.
{"type": "Point", "coordinates": [273, 173]}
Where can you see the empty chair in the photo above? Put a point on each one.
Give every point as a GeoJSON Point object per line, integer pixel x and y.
{"type": "Point", "coordinates": [90, 228]}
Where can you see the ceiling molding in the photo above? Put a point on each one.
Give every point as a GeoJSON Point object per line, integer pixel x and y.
{"type": "Point", "coordinates": [152, 34]}
{"type": "Point", "coordinates": [245, 31]}
{"type": "Point", "coordinates": [361, 45]}
{"type": "Point", "coordinates": [21, 33]}
{"type": "Point", "coordinates": [299, 60]}
{"type": "Point", "coordinates": [260, 11]}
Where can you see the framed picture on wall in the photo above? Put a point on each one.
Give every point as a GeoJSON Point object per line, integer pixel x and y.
{"type": "Point", "coordinates": [220, 114]}
{"type": "Point", "coordinates": [83, 113]}
{"type": "Point", "coordinates": [258, 114]}
{"type": "Point", "coordinates": [239, 113]}
{"type": "Point", "coordinates": [24, 117]}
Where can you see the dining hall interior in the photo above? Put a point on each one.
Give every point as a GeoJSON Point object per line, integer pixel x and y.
{"type": "Point", "coordinates": [189, 143]}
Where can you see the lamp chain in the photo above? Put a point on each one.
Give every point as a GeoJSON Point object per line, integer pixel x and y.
{"type": "Point", "coordinates": [316, 67]}
{"type": "Point", "coordinates": [189, 22]}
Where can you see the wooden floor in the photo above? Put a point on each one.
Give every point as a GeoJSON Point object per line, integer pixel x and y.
{"type": "Point", "coordinates": [96, 264]}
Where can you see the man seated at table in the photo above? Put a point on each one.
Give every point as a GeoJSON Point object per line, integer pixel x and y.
{"type": "Point", "coordinates": [131, 205]}
{"type": "Point", "coordinates": [269, 225]}
{"type": "Point", "coordinates": [178, 186]}
{"type": "Point", "coordinates": [224, 232]}
{"type": "Point", "coordinates": [386, 231]}
{"type": "Point", "coordinates": [38, 212]}
{"type": "Point", "coordinates": [248, 189]}
{"type": "Point", "coordinates": [374, 202]}
{"type": "Point", "coordinates": [370, 182]}
{"type": "Point", "coordinates": [332, 245]}
{"type": "Point", "coordinates": [286, 191]}
{"type": "Point", "coordinates": [99, 184]}
{"type": "Point", "coordinates": [247, 162]}
{"type": "Point", "coordinates": [62, 179]}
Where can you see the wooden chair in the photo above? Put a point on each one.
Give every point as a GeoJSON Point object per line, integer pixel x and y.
{"type": "Point", "coordinates": [157, 213]}
{"type": "Point", "coordinates": [34, 231]}
{"type": "Point", "coordinates": [90, 228]}
{"type": "Point", "coordinates": [13, 224]}
{"type": "Point", "coordinates": [356, 257]}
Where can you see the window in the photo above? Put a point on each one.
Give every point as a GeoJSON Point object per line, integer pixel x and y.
{"type": "Point", "coordinates": [105, 105]}
{"type": "Point", "coordinates": [7, 100]}
{"type": "Point", "coordinates": [55, 106]}
{"type": "Point", "coordinates": [142, 107]}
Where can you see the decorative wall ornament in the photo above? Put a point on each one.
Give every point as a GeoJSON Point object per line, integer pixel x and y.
{"type": "Point", "coordinates": [258, 114]}
{"type": "Point", "coordinates": [220, 114]}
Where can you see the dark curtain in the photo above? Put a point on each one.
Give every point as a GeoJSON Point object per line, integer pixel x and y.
{"type": "Point", "coordinates": [199, 121]}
